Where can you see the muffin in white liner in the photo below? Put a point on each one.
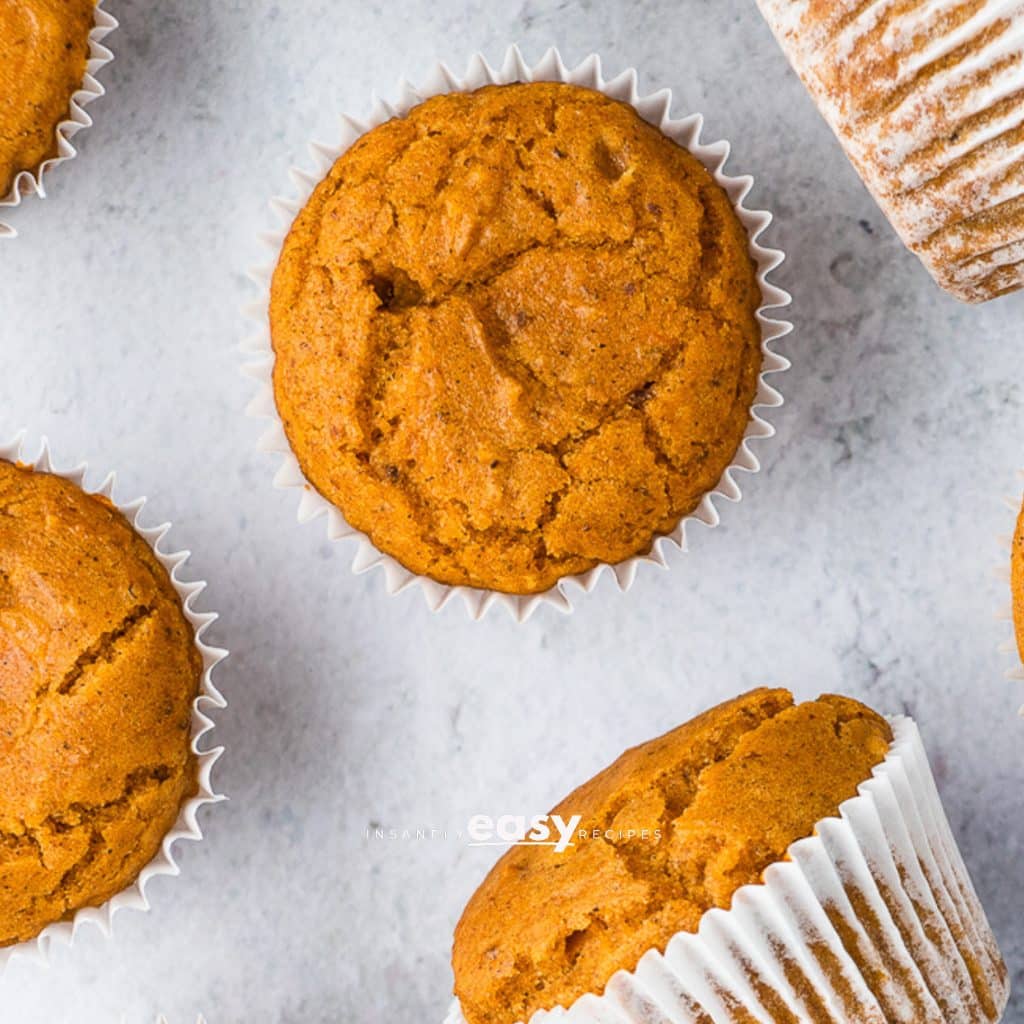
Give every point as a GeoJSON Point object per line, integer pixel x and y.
{"type": "Point", "coordinates": [1011, 647]}
{"type": "Point", "coordinates": [925, 100]}
{"type": "Point", "coordinates": [28, 182]}
{"type": "Point", "coordinates": [873, 918]}
{"type": "Point", "coordinates": [186, 826]}
{"type": "Point", "coordinates": [654, 108]}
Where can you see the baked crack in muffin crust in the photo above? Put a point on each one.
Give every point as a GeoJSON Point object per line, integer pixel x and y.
{"type": "Point", "coordinates": [515, 335]}
{"type": "Point", "coordinates": [98, 671]}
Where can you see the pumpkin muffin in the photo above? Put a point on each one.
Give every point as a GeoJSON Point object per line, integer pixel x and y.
{"type": "Point", "coordinates": [925, 100]}
{"type": "Point", "coordinates": [1017, 582]}
{"type": "Point", "coordinates": [98, 672]}
{"type": "Point", "coordinates": [720, 798]}
{"type": "Point", "coordinates": [44, 48]}
{"type": "Point", "coordinates": [515, 335]}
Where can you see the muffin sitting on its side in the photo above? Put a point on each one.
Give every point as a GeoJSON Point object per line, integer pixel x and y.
{"type": "Point", "coordinates": [98, 672]}
{"type": "Point", "coordinates": [675, 827]}
{"type": "Point", "coordinates": [515, 335]}
{"type": "Point", "coordinates": [44, 48]}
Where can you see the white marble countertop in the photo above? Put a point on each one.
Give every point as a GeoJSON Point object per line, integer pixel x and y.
{"type": "Point", "coordinates": [861, 560]}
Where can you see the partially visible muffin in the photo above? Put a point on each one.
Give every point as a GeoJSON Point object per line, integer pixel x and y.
{"type": "Point", "coordinates": [1017, 581]}
{"type": "Point", "coordinates": [44, 48]}
{"type": "Point", "coordinates": [98, 672]}
{"type": "Point", "coordinates": [925, 99]}
{"type": "Point", "coordinates": [721, 798]}
{"type": "Point", "coordinates": [515, 335]}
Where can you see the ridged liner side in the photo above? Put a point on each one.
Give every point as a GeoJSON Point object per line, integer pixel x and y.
{"type": "Point", "coordinates": [927, 100]}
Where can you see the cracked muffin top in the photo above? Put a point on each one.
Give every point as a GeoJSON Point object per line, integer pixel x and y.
{"type": "Point", "coordinates": [721, 797]}
{"type": "Point", "coordinates": [98, 671]}
{"type": "Point", "coordinates": [515, 335]}
{"type": "Point", "coordinates": [44, 48]}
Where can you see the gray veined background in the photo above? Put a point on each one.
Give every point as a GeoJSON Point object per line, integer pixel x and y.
{"type": "Point", "coordinates": [861, 559]}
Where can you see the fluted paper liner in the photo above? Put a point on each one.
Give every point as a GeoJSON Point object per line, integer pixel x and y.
{"type": "Point", "coordinates": [186, 826]}
{"type": "Point", "coordinates": [654, 108]}
{"type": "Point", "coordinates": [27, 182]}
{"type": "Point", "coordinates": [925, 100]}
{"type": "Point", "coordinates": [872, 919]}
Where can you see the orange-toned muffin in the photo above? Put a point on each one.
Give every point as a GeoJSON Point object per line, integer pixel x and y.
{"type": "Point", "coordinates": [44, 47]}
{"type": "Point", "coordinates": [720, 799]}
{"type": "Point", "coordinates": [515, 335]}
{"type": "Point", "coordinates": [98, 672]}
{"type": "Point", "coordinates": [1017, 581]}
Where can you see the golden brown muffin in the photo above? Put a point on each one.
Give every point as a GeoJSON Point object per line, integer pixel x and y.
{"type": "Point", "coordinates": [727, 792]}
{"type": "Point", "coordinates": [44, 47]}
{"type": "Point", "coordinates": [1017, 582]}
{"type": "Point", "coordinates": [98, 671]}
{"type": "Point", "coordinates": [515, 335]}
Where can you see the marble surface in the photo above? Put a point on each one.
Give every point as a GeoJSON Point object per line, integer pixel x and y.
{"type": "Point", "coordinates": [862, 559]}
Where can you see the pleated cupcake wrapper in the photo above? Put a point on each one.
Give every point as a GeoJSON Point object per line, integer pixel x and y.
{"type": "Point", "coordinates": [187, 826]}
{"type": "Point", "coordinates": [513, 68]}
{"type": "Point", "coordinates": [28, 182]}
{"type": "Point", "coordinates": [871, 919]}
{"type": "Point", "coordinates": [941, 149]}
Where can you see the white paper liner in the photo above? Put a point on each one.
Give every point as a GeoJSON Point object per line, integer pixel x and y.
{"type": "Point", "coordinates": [937, 139]}
{"type": "Point", "coordinates": [654, 108]}
{"type": "Point", "coordinates": [187, 826]}
{"type": "Point", "coordinates": [871, 919]}
{"type": "Point", "coordinates": [28, 182]}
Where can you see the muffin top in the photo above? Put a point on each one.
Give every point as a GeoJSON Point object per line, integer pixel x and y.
{"type": "Point", "coordinates": [515, 335]}
{"type": "Point", "coordinates": [1017, 581]}
{"type": "Point", "coordinates": [721, 798]}
{"type": "Point", "coordinates": [44, 47]}
{"type": "Point", "coordinates": [98, 671]}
